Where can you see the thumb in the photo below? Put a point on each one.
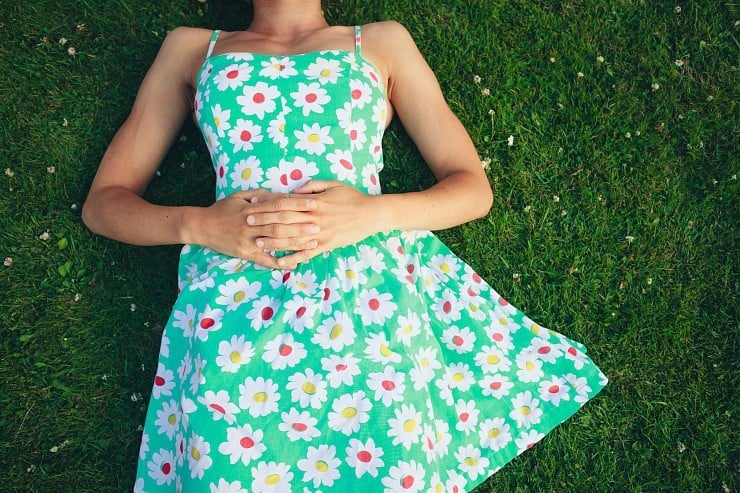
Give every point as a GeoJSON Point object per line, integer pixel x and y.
{"type": "Point", "coordinates": [315, 186]}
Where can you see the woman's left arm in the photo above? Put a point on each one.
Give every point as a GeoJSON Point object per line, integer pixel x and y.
{"type": "Point", "coordinates": [462, 192]}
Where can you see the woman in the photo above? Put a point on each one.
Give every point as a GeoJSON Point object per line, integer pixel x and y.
{"type": "Point", "coordinates": [323, 339]}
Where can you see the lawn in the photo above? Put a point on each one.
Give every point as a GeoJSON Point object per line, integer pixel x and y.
{"type": "Point", "coordinates": [609, 131]}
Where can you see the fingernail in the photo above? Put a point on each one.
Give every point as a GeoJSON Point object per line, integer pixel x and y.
{"type": "Point", "coordinates": [250, 219]}
{"type": "Point", "coordinates": [281, 263]}
{"type": "Point", "coordinates": [312, 244]}
{"type": "Point", "coordinates": [313, 229]}
{"type": "Point", "coordinates": [311, 204]}
{"type": "Point", "coordinates": [260, 243]}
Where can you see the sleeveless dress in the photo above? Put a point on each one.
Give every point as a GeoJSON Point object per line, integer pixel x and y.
{"type": "Point", "coordinates": [385, 366]}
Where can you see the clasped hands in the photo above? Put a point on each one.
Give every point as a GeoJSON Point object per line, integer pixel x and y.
{"type": "Point", "coordinates": [314, 218]}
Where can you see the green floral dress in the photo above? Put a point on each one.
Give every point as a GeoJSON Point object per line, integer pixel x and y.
{"type": "Point", "coordinates": [384, 366]}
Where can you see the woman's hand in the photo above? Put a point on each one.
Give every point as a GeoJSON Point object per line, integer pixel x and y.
{"type": "Point", "coordinates": [225, 226]}
{"type": "Point", "coordinates": [343, 215]}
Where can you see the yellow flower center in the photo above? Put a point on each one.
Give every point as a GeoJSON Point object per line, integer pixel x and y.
{"type": "Point", "coordinates": [172, 419]}
{"type": "Point", "coordinates": [260, 397]}
{"type": "Point", "coordinates": [322, 466]}
{"type": "Point", "coordinates": [444, 267]}
{"type": "Point", "coordinates": [239, 296]}
{"type": "Point", "coordinates": [314, 138]}
{"type": "Point", "coordinates": [458, 377]}
{"type": "Point", "coordinates": [424, 362]}
{"type": "Point", "coordinates": [309, 388]}
{"type": "Point", "coordinates": [325, 72]}
{"type": "Point", "coordinates": [471, 461]}
{"type": "Point", "coordinates": [526, 411]}
{"type": "Point", "coordinates": [246, 173]}
{"type": "Point", "coordinates": [235, 357]}
{"type": "Point", "coordinates": [350, 274]}
{"type": "Point", "coordinates": [492, 359]}
{"type": "Point", "coordinates": [385, 351]}
{"type": "Point", "coordinates": [272, 479]}
{"type": "Point", "coordinates": [529, 365]}
{"type": "Point", "coordinates": [349, 412]}
{"type": "Point", "coordinates": [494, 432]}
{"type": "Point", "coordinates": [409, 425]}
{"type": "Point", "coordinates": [335, 332]}
{"type": "Point", "coordinates": [503, 321]}
{"type": "Point", "coordinates": [195, 453]}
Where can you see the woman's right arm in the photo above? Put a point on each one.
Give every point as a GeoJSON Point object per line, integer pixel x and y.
{"type": "Point", "coordinates": [115, 208]}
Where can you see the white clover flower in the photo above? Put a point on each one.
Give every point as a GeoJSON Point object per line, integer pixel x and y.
{"type": "Point", "coordinates": [78, 296]}
{"type": "Point", "coordinates": [580, 74]}
{"type": "Point", "coordinates": [62, 41]}
{"type": "Point", "coordinates": [8, 262]}
{"type": "Point", "coordinates": [679, 63]}
{"type": "Point", "coordinates": [45, 235]}
{"type": "Point", "coordinates": [552, 59]}
{"type": "Point", "coordinates": [600, 59]}
{"type": "Point", "coordinates": [73, 207]}
{"type": "Point", "coordinates": [527, 208]}
{"type": "Point", "coordinates": [65, 123]}
{"type": "Point", "coordinates": [72, 51]}
{"type": "Point", "coordinates": [628, 135]}
{"type": "Point", "coordinates": [517, 277]}
{"type": "Point", "coordinates": [9, 172]}
{"type": "Point", "coordinates": [555, 198]}
{"type": "Point", "coordinates": [477, 79]}
{"type": "Point", "coordinates": [133, 307]}
{"type": "Point", "coordinates": [563, 213]}
{"type": "Point", "coordinates": [51, 169]}
{"type": "Point", "coordinates": [486, 163]}
{"type": "Point", "coordinates": [649, 280]}
{"type": "Point", "coordinates": [655, 86]}
{"type": "Point", "coordinates": [629, 239]}
{"type": "Point", "coordinates": [485, 91]}
{"type": "Point", "coordinates": [677, 9]}
{"type": "Point", "coordinates": [491, 112]}
{"type": "Point", "coordinates": [510, 141]}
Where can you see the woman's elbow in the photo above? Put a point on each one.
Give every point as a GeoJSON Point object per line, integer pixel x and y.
{"type": "Point", "coordinates": [483, 202]}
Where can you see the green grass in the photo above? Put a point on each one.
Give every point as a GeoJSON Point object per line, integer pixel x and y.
{"type": "Point", "coordinates": [615, 223]}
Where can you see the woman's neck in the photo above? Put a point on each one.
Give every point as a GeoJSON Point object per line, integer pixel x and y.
{"type": "Point", "coordinates": [287, 19]}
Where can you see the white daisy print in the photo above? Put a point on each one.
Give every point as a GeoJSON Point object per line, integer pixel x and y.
{"type": "Point", "coordinates": [211, 138]}
{"type": "Point", "coordinates": [456, 483]}
{"type": "Point", "coordinates": [310, 97]}
{"type": "Point", "coordinates": [162, 467]}
{"type": "Point", "coordinates": [426, 365]}
{"type": "Point", "coordinates": [356, 130]}
{"type": "Point", "coordinates": [234, 353]}
{"type": "Point", "coordinates": [405, 477]}
{"type": "Point", "coordinates": [471, 462]}
{"type": "Point", "coordinates": [375, 307]}
{"type": "Point", "coordinates": [497, 386]}
{"type": "Point", "coordinates": [313, 139]}
{"type": "Point", "coordinates": [299, 313]}
{"type": "Point", "coordinates": [243, 444]}
{"type": "Point", "coordinates": [446, 266]}
{"type": "Point", "coordinates": [405, 428]}
{"type": "Point", "coordinates": [259, 396]}
{"type": "Point", "coordinates": [349, 411]}
{"type": "Point", "coordinates": [303, 283]}
{"type": "Point", "coordinates": [299, 425]}
{"type": "Point", "coordinates": [360, 93]}
{"type": "Point", "coordinates": [372, 257]}
{"type": "Point", "coordinates": [530, 368]}
{"type": "Point", "coordinates": [495, 434]}
{"type": "Point", "coordinates": [284, 352]}
{"type": "Point", "coordinates": [459, 340]}
{"type": "Point", "coordinates": [198, 458]}
{"type": "Point", "coordinates": [233, 76]}
{"type": "Point", "coordinates": [222, 168]}
{"type": "Point", "coordinates": [388, 385]}
{"type": "Point", "coordinates": [527, 440]}
{"type": "Point", "coordinates": [376, 148]}
{"type": "Point", "coordinates": [526, 411]}
{"type": "Point", "coordinates": [263, 312]}
{"type": "Point", "coordinates": [467, 416]}
{"type": "Point", "coordinates": [271, 477]}
{"type": "Point", "coordinates": [221, 119]}
{"type": "Point", "coordinates": [350, 273]}
{"type": "Point", "coordinates": [225, 487]}
{"type": "Point", "coordinates": [185, 320]}
{"type": "Point", "coordinates": [220, 405]}
{"type": "Point", "coordinates": [307, 389]}
{"type": "Point", "coordinates": [344, 116]}
{"type": "Point", "coordinates": [326, 71]}
{"type": "Point", "coordinates": [554, 390]}
{"type": "Point", "coordinates": [335, 332]}
{"type": "Point", "coordinates": [370, 180]}
{"type": "Point", "coordinates": [341, 166]}
{"type": "Point", "coordinates": [236, 292]}
{"type": "Point", "coordinates": [341, 370]}
{"type": "Point", "coordinates": [258, 99]}
{"type": "Point", "coordinates": [168, 418]}
{"type": "Point", "coordinates": [278, 68]}
{"type": "Point", "coordinates": [492, 360]}
{"type": "Point", "coordinates": [247, 174]}
{"type": "Point", "coordinates": [197, 378]}
{"type": "Point", "coordinates": [580, 385]}
{"type": "Point", "coordinates": [378, 349]}
{"type": "Point", "coordinates": [320, 466]}
{"type": "Point", "coordinates": [276, 130]}
{"type": "Point", "coordinates": [409, 326]}
{"type": "Point", "coordinates": [573, 354]}
{"type": "Point", "coordinates": [549, 353]}
{"type": "Point", "coordinates": [365, 458]}
{"type": "Point", "coordinates": [244, 135]}
{"type": "Point", "coordinates": [380, 114]}
{"type": "Point", "coordinates": [163, 382]}
{"type": "Point", "coordinates": [209, 320]}
{"type": "Point", "coordinates": [329, 295]}
{"type": "Point", "coordinates": [289, 175]}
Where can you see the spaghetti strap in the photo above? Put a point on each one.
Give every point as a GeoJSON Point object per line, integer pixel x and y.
{"type": "Point", "coordinates": [358, 40]}
{"type": "Point", "coordinates": [214, 38]}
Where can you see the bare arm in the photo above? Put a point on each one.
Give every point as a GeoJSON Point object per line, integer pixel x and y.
{"type": "Point", "coordinates": [114, 207]}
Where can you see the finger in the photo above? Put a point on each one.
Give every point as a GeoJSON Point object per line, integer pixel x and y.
{"type": "Point", "coordinates": [296, 258]}
{"type": "Point", "coordinates": [316, 186]}
{"type": "Point", "coordinates": [282, 244]}
{"type": "Point", "coordinates": [278, 230]}
{"type": "Point", "coordinates": [283, 203]}
{"type": "Point", "coordinates": [280, 217]}
{"type": "Point", "coordinates": [250, 195]}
